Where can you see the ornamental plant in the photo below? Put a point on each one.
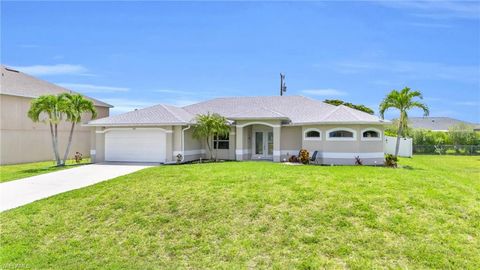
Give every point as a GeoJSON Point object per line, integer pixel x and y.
{"type": "Point", "coordinates": [304, 156]}
{"type": "Point", "coordinates": [391, 161]}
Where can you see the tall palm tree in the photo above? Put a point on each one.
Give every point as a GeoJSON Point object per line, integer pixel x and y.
{"type": "Point", "coordinates": [76, 106]}
{"type": "Point", "coordinates": [49, 109]}
{"type": "Point", "coordinates": [403, 101]}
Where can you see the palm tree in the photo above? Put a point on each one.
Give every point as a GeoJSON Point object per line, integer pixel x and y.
{"type": "Point", "coordinates": [209, 125]}
{"type": "Point", "coordinates": [403, 101]}
{"type": "Point", "coordinates": [76, 106]}
{"type": "Point", "coordinates": [49, 109]}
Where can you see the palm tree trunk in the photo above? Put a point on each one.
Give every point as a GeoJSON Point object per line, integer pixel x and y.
{"type": "Point", "coordinates": [55, 144]}
{"type": "Point", "coordinates": [216, 150]}
{"type": "Point", "coordinates": [59, 161]}
{"type": "Point", "coordinates": [209, 147]}
{"type": "Point", "coordinates": [65, 156]}
{"type": "Point", "coordinates": [399, 134]}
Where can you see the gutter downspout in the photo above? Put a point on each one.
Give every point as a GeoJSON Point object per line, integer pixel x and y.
{"type": "Point", "coordinates": [183, 142]}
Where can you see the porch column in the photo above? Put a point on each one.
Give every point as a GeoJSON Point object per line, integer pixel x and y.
{"type": "Point", "coordinates": [177, 142]}
{"type": "Point", "coordinates": [239, 143]}
{"type": "Point", "coordinates": [276, 143]}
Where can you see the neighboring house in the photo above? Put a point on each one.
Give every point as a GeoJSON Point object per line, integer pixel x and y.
{"type": "Point", "coordinates": [23, 140]}
{"type": "Point", "coordinates": [262, 128]}
{"type": "Point", "coordinates": [437, 123]}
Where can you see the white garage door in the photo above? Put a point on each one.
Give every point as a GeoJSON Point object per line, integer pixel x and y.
{"type": "Point", "coordinates": [139, 145]}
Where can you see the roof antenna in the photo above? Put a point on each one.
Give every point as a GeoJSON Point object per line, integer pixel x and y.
{"type": "Point", "coordinates": [283, 86]}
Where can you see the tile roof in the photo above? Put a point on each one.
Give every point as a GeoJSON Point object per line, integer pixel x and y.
{"type": "Point", "coordinates": [156, 115]}
{"type": "Point", "coordinates": [16, 83]}
{"type": "Point", "coordinates": [297, 109]}
{"type": "Point", "coordinates": [437, 123]}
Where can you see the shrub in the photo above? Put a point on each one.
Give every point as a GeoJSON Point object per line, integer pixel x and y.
{"type": "Point", "coordinates": [304, 156]}
{"type": "Point", "coordinates": [391, 161]}
{"type": "Point", "coordinates": [78, 157]}
{"type": "Point", "coordinates": [358, 161]}
{"type": "Point", "coordinates": [180, 158]}
{"type": "Point", "coordinates": [293, 159]}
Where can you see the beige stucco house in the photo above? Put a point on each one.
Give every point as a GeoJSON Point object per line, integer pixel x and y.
{"type": "Point", "coordinates": [262, 128]}
{"type": "Point", "coordinates": [21, 139]}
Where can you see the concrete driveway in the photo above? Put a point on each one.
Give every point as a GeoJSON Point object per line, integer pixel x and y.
{"type": "Point", "coordinates": [23, 191]}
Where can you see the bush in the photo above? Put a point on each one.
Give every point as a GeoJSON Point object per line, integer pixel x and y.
{"type": "Point", "coordinates": [463, 134]}
{"type": "Point", "coordinates": [293, 159]}
{"type": "Point", "coordinates": [78, 157]}
{"type": "Point", "coordinates": [304, 156]}
{"type": "Point", "coordinates": [391, 161]}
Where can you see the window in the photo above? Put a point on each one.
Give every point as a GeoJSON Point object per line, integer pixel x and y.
{"type": "Point", "coordinates": [312, 134]}
{"type": "Point", "coordinates": [341, 134]}
{"type": "Point", "coordinates": [370, 134]}
{"type": "Point", "coordinates": [222, 140]}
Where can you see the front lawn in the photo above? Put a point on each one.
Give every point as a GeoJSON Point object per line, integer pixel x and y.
{"type": "Point", "coordinates": [258, 215]}
{"type": "Point", "coordinates": [17, 171]}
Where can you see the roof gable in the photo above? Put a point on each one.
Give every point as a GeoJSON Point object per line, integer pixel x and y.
{"type": "Point", "coordinates": [155, 115]}
{"type": "Point", "coordinates": [436, 123]}
{"type": "Point", "coordinates": [16, 83]}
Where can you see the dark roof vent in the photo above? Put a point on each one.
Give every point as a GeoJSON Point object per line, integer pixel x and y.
{"type": "Point", "coordinates": [13, 70]}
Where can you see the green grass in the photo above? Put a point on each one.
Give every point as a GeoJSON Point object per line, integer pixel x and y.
{"type": "Point", "coordinates": [18, 171]}
{"type": "Point", "coordinates": [244, 215]}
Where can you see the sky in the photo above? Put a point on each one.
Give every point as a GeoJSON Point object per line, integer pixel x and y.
{"type": "Point", "coordinates": [135, 54]}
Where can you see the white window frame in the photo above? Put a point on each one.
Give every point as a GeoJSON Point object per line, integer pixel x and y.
{"type": "Point", "coordinates": [379, 138]}
{"type": "Point", "coordinates": [312, 138]}
{"type": "Point", "coordinates": [328, 138]}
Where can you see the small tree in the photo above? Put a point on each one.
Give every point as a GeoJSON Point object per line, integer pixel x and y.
{"type": "Point", "coordinates": [52, 109]}
{"type": "Point", "coordinates": [76, 106]}
{"type": "Point", "coordinates": [403, 101]}
{"type": "Point", "coordinates": [49, 109]}
{"type": "Point", "coordinates": [209, 125]}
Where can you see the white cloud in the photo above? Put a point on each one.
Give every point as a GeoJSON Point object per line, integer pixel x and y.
{"type": "Point", "coordinates": [468, 103]}
{"type": "Point", "coordinates": [26, 46]}
{"type": "Point", "coordinates": [429, 25]}
{"type": "Point", "coordinates": [324, 92]}
{"type": "Point", "coordinates": [438, 9]}
{"type": "Point", "coordinates": [90, 88]}
{"type": "Point", "coordinates": [413, 70]}
{"type": "Point", "coordinates": [59, 69]}
{"type": "Point", "coordinates": [171, 91]}
{"type": "Point", "coordinates": [123, 105]}
{"type": "Point", "coordinates": [181, 102]}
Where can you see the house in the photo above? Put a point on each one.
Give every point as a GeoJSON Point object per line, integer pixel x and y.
{"type": "Point", "coordinates": [262, 128]}
{"type": "Point", "coordinates": [438, 123]}
{"type": "Point", "coordinates": [23, 140]}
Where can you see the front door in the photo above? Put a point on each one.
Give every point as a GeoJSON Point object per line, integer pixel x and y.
{"type": "Point", "coordinates": [262, 144]}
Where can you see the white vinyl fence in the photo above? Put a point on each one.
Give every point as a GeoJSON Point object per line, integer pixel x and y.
{"type": "Point", "coordinates": [406, 146]}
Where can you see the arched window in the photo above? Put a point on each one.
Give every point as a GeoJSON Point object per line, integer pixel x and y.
{"type": "Point", "coordinates": [371, 134]}
{"type": "Point", "coordinates": [341, 134]}
{"type": "Point", "coordinates": [312, 134]}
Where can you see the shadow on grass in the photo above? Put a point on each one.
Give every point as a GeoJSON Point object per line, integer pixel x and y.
{"type": "Point", "coordinates": [52, 168]}
{"type": "Point", "coordinates": [410, 168]}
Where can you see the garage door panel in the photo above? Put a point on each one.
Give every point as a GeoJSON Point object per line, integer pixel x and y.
{"type": "Point", "coordinates": [135, 145]}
